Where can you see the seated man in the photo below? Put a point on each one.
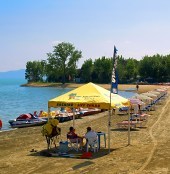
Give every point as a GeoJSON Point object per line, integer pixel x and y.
{"type": "Point", "coordinates": [73, 136]}
{"type": "Point", "coordinates": [91, 136]}
{"type": "Point", "coordinates": [35, 114]}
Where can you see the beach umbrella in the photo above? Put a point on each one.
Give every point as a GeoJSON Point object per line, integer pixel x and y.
{"type": "Point", "coordinates": [136, 104]}
{"type": "Point", "coordinates": [136, 101]}
{"type": "Point", "coordinates": [156, 93]}
{"type": "Point", "coordinates": [153, 96]}
{"type": "Point", "coordinates": [162, 91]}
{"type": "Point", "coordinates": [144, 98]}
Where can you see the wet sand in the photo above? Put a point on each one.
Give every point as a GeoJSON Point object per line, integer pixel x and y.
{"type": "Point", "coordinates": [148, 152]}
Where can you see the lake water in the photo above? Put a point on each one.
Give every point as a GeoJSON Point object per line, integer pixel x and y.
{"type": "Point", "coordinates": [16, 100]}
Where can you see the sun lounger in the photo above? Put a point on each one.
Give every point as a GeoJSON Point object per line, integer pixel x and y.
{"type": "Point", "coordinates": [125, 125]}
{"type": "Point", "coordinates": [132, 124]}
{"type": "Point", "coordinates": [139, 117]}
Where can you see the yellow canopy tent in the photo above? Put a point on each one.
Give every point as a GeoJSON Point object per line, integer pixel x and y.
{"type": "Point", "coordinates": [90, 95]}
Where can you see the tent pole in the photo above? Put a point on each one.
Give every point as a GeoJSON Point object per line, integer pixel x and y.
{"type": "Point", "coordinates": [73, 117]}
{"type": "Point", "coordinates": [129, 126]}
{"type": "Point", "coordinates": [109, 124]}
{"type": "Point", "coordinates": [48, 113]}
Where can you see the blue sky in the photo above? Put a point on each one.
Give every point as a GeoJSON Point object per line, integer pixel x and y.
{"type": "Point", "coordinates": [30, 28]}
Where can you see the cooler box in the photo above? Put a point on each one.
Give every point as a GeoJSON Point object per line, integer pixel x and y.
{"type": "Point", "coordinates": [63, 147]}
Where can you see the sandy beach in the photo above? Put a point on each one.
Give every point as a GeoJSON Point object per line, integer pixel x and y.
{"type": "Point", "coordinates": [148, 152]}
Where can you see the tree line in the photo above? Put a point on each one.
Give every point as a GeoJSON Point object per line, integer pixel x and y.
{"type": "Point", "coordinates": [61, 66]}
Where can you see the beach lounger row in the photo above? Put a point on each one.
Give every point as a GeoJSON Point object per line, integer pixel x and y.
{"type": "Point", "coordinates": [132, 124]}
{"type": "Point", "coordinates": [136, 120]}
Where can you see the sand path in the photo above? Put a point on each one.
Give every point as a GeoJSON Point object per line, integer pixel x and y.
{"type": "Point", "coordinates": [155, 138]}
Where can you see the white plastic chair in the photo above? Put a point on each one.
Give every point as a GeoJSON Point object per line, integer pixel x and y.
{"type": "Point", "coordinates": [74, 144]}
{"type": "Point", "coordinates": [93, 144]}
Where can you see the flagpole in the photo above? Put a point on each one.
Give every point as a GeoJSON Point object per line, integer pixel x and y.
{"type": "Point", "coordinates": [109, 122]}
{"type": "Point", "coordinates": [113, 81]}
{"type": "Point", "coordinates": [129, 125]}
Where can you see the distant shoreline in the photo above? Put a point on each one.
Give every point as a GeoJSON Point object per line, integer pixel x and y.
{"type": "Point", "coordinates": [121, 87]}
{"type": "Point", "coordinates": [58, 85]}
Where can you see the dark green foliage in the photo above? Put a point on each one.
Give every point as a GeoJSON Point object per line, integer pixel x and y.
{"type": "Point", "coordinates": [102, 70]}
{"type": "Point", "coordinates": [61, 67]}
{"type": "Point", "coordinates": [63, 62]}
{"type": "Point", "coordinates": [149, 69]}
{"type": "Point", "coordinates": [87, 70]}
{"type": "Point", "coordinates": [35, 71]}
{"type": "Point", "coordinates": [155, 67]}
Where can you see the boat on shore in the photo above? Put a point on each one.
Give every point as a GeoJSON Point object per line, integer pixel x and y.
{"type": "Point", "coordinates": [66, 114]}
{"type": "Point", "coordinates": [0, 124]}
{"type": "Point", "coordinates": [89, 111]}
{"type": "Point", "coordinates": [26, 120]}
{"type": "Point", "coordinates": [61, 114]}
{"type": "Point", "coordinates": [63, 117]}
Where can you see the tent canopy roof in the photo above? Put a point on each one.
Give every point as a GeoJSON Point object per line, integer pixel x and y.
{"type": "Point", "coordinates": [89, 95]}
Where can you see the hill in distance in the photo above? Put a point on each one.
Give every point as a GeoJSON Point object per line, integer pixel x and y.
{"type": "Point", "coordinates": [16, 74]}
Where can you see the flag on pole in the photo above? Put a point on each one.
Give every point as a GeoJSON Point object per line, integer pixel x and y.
{"type": "Point", "coordinates": [114, 79]}
{"type": "Point", "coordinates": [114, 85]}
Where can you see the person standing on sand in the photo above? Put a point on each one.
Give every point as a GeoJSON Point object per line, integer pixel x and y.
{"type": "Point", "coordinates": [137, 87]}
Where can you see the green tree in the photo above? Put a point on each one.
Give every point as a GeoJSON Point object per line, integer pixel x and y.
{"type": "Point", "coordinates": [166, 67]}
{"type": "Point", "coordinates": [145, 67]}
{"type": "Point", "coordinates": [102, 70]}
{"type": "Point", "coordinates": [130, 69]}
{"type": "Point", "coordinates": [87, 70]}
{"type": "Point", "coordinates": [53, 69]}
{"type": "Point", "coordinates": [35, 71]}
{"type": "Point", "coordinates": [64, 59]}
{"type": "Point", "coordinates": [121, 68]}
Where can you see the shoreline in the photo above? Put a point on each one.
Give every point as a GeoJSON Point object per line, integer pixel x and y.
{"type": "Point", "coordinates": [122, 87]}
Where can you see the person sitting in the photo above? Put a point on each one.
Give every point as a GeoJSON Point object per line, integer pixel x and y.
{"type": "Point", "coordinates": [91, 137]}
{"type": "Point", "coordinates": [40, 114]}
{"type": "Point", "coordinates": [90, 134]}
{"type": "Point", "coordinates": [35, 114]}
{"type": "Point", "coordinates": [73, 136]}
